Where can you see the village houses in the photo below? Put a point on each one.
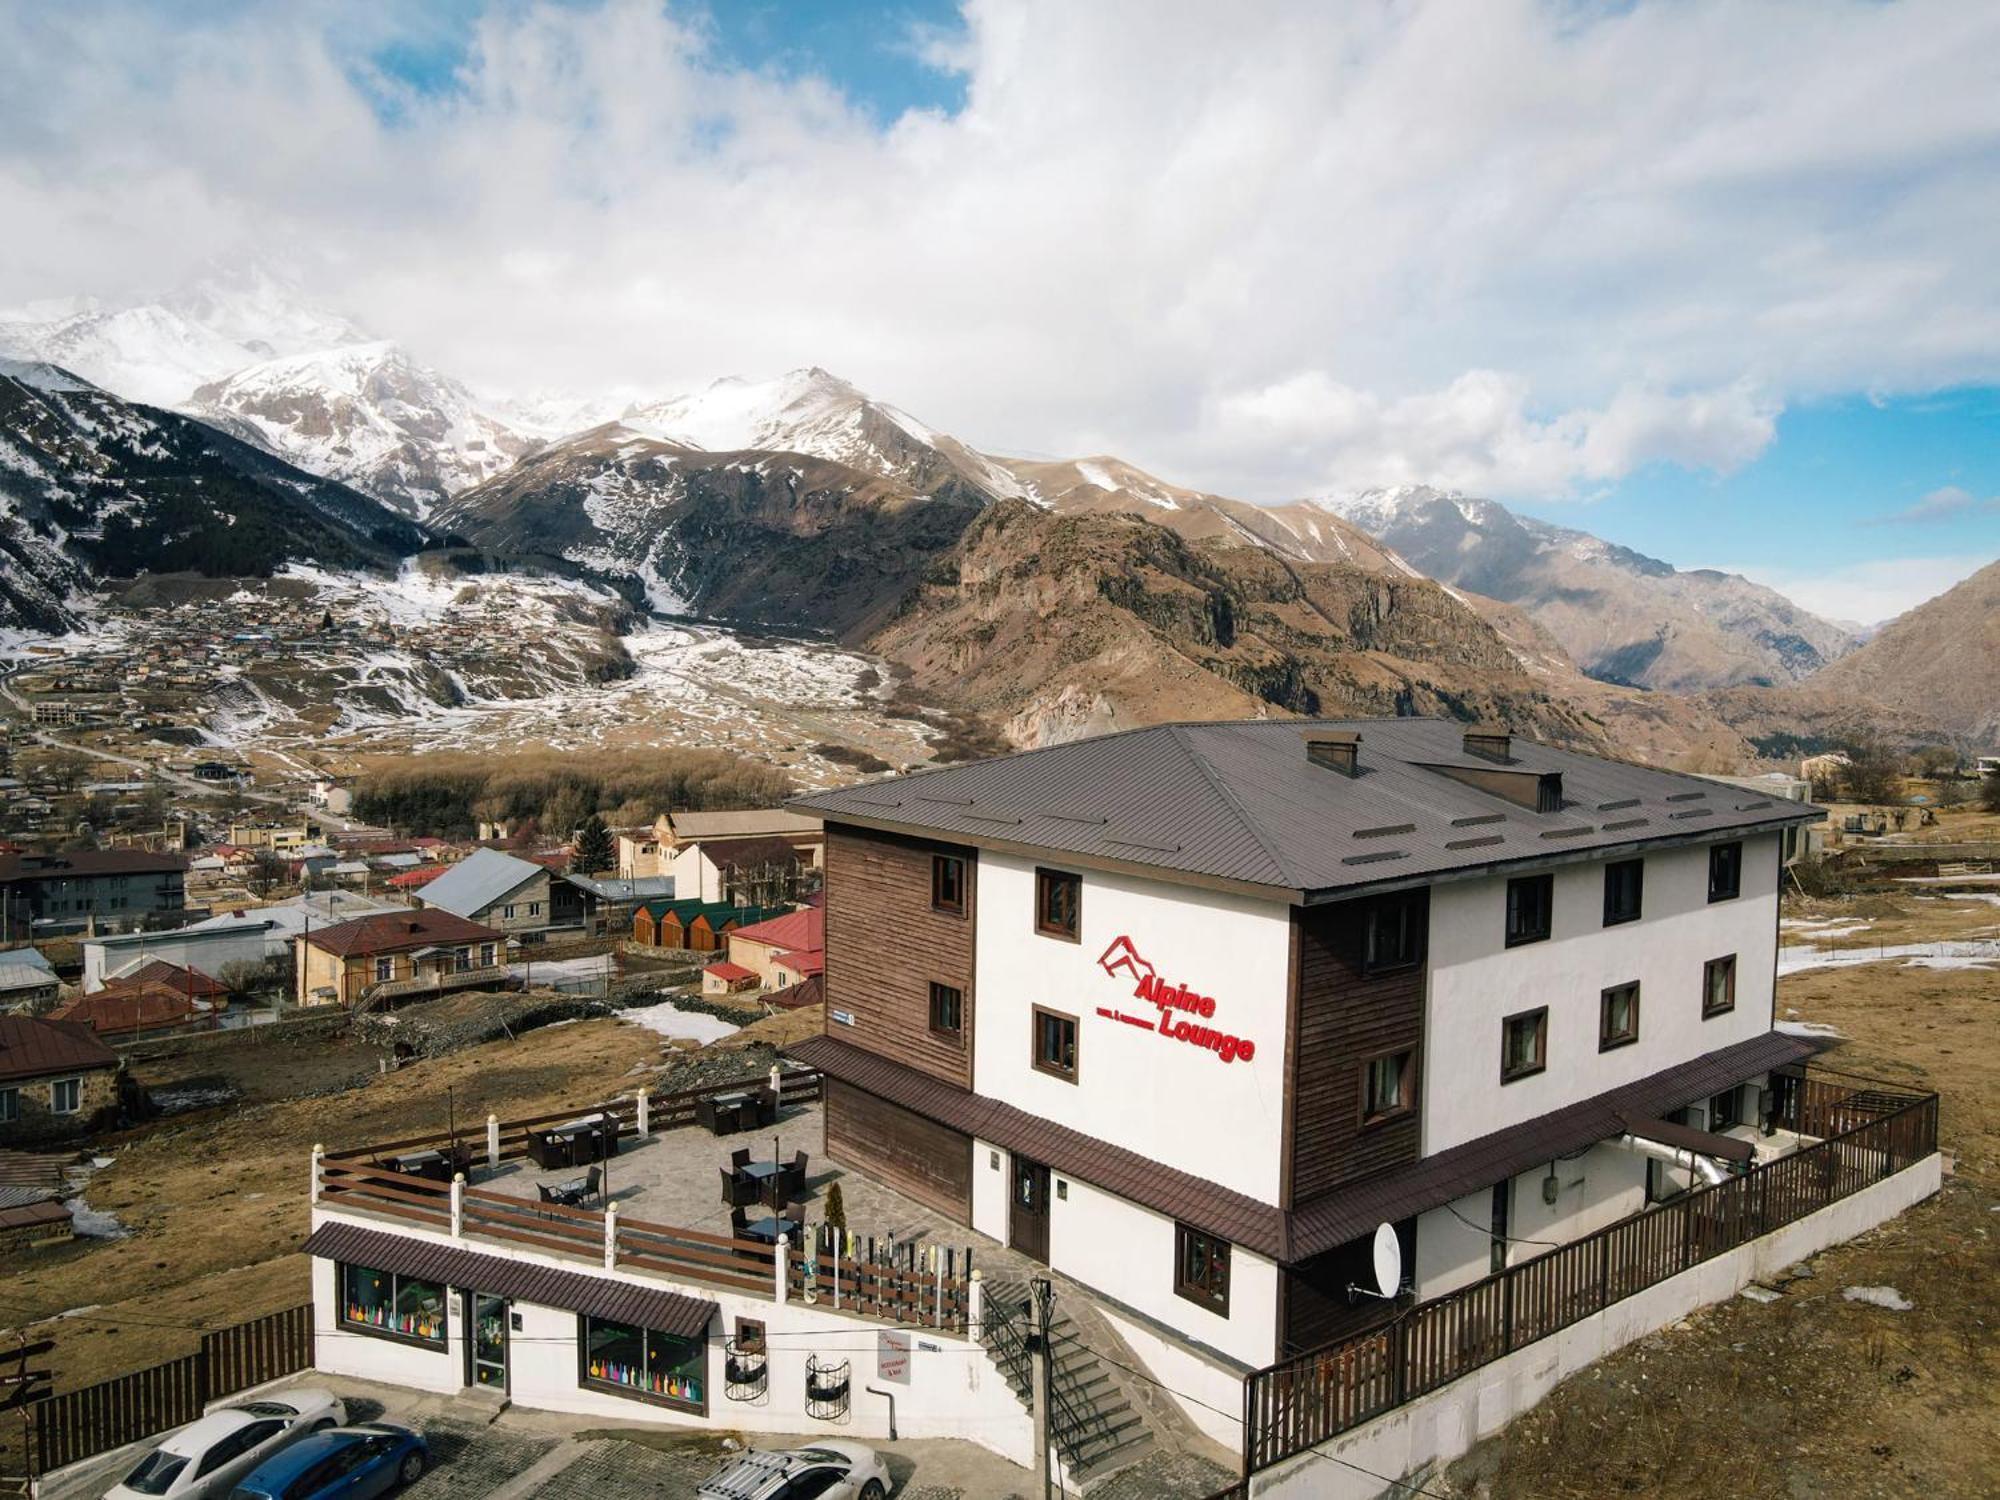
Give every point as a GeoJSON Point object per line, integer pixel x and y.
{"type": "Point", "coordinates": [396, 954]}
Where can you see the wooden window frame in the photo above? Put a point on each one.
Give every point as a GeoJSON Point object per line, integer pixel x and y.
{"type": "Point", "coordinates": [1035, 1043]}
{"type": "Point", "coordinates": [1405, 903]}
{"type": "Point", "coordinates": [1735, 850]}
{"type": "Point", "coordinates": [1606, 1040]}
{"type": "Point", "coordinates": [954, 1034]}
{"type": "Point", "coordinates": [1540, 1014]}
{"type": "Point", "coordinates": [939, 864]}
{"type": "Point", "coordinates": [1547, 881]}
{"type": "Point", "coordinates": [1615, 918]}
{"type": "Point", "coordinates": [1201, 1291]}
{"type": "Point", "coordinates": [1045, 879]}
{"type": "Point", "coordinates": [1369, 1119]}
{"type": "Point", "coordinates": [1709, 1009]}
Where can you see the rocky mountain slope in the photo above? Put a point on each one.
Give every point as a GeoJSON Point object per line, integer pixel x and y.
{"type": "Point", "coordinates": [368, 415]}
{"type": "Point", "coordinates": [1624, 617]}
{"type": "Point", "coordinates": [95, 488]}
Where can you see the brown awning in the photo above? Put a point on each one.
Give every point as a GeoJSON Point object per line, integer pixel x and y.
{"type": "Point", "coordinates": [1687, 1138]}
{"type": "Point", "coordinates": [616, 1301]}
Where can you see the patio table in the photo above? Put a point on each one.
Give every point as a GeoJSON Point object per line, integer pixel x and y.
{"type": "Point", "coordinates": [766, 1230]}
{"type": "Point", "coordinates": [725, 1114]}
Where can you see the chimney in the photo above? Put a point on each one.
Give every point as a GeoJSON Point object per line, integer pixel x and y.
{"type": "Point", "coordinates": [1336, 749]}
{"type": "Point", "coordinates": [1490, 742]}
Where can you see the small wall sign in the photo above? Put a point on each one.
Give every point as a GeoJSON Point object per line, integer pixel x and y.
{"type": "Point", "coordinates": [844, 1017]}
{"type": "Point", "coordinates": [892, 1357]}
{"type": "Point", "coordinates": [1182, 1013]}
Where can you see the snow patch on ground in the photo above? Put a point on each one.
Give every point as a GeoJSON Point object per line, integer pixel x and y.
{"type": "Point", "coordinates": [1808, 1028]}
{"type": "Point", "coordinates": [92, 1225]}
{"type": "Point", "coordinates": [1978, 953]}
{"type": "Point", "coordinates": [1879, 1296]}
{"type": "Point", "coordinates": [669, 1020]}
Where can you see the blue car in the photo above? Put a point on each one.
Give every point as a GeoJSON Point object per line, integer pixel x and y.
{"type": "Point", "coordinates": [354, 1463]}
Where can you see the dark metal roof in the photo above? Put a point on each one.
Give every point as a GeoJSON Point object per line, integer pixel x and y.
{"type": "Point", "coordinates": [1333, 1218]}
{"type": "Point", "coordinates": [31, 1047]}
{"type": "Point", "coordinates": [616, 1301]}
{"type": "Point", "coordinates": [397, 931]}
{"type": "Point", "coordinates": [1241, 802]}
{"type": "Point", "coordinates": [1687, 1138]}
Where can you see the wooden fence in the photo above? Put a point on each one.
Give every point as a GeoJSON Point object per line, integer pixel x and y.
{"type": "Point", "coordinates": [1302, 1401]}
{"type": "Point", "coordinates": [79, 1424]}
{"type": "Point", "coordinates": [892, 1288]}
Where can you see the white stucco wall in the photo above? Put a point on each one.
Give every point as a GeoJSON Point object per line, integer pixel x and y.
{"type": "Point", "coordinates": [1598, 1188]}
{"type": "Point", "coordinates": [1174, 1102]}
{"type": "Point", "coordinates": [206, 951]}
{"type": "Point", "coordinates": [1476, 981]}
{"type": "Point", "coordinates": [1208, 1392]}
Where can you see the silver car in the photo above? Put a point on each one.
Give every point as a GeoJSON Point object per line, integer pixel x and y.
{"type": "Point", "coordinates": [825, 1471]}
{"type": "Point", "coordinates": [204, 1459]}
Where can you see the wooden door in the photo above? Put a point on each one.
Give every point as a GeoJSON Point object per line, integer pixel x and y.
{"type": "Point", "coordinates": [1028, 1218]}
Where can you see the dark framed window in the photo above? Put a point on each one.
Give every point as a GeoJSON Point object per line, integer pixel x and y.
{"type": "Point", "coordinates": [1718, 986]}
{"type": "Point", "coordinates": [1388, 1086]}
{"type": "Point", "coordinates": [1524, 1044]}
{"type": "Point", "coordinates": [1725, 872]}
{"type": "Point", "coordinates": [1624, 890]}
{"type": "Point", "coordinates": [1055, 1043]}
{"type": "Point", "coordinates": [1393, 934]}
{"type": "Point", "coordinates": [1531, 901]}
{"type": "Point", "coordinates": [1058, 904]}
{"type": "Point", "coordinates": [1722, 1110]}
{"type": "Point", "coordinates": [1496, 1236]}
{"type": "Point", "coordinates": [948, 884]}
{"type": "Point", "coordinates": [1618, 1016]}
{"type": "Point", "coordinates": [1201, 1268]}
{"type": "Point", "coordinates": [638, 1362]}
{"type": "Point", "coordinates": [947, 1009]}
{"type": "Point", "coordinates": [391, 1306]}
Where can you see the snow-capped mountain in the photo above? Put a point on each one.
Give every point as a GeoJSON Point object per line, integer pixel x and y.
{"type": "Point", "coordinates": [815, 413]}
{"type": "Point", "coordinates": [94, 488]}
{"type": "Point", "coordinates": [1623, 616]}
{"type": "Point", "coordinates": [368, 415]}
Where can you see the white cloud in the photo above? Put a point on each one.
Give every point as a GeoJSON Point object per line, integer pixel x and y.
{"type": "Point", "coordinates": [1948, 503]}
{"type": "Point", "coordinates": [1868, 593]}
{"type": "Point", "coordinates": [1267, 248]}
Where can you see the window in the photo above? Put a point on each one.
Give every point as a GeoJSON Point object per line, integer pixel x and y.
{"type": "Point", "coordinates": [1530, 901]}
{"type": "Point", "coordinates": [10, 1105]}
{"type": "Point", "coordinates": [812, 1484]}
{"type": "Point", "coordinates": [534, 908]}
{"type": "Point", "coordinates": [461, 960]}
{"type": "Point", "coordinates": [1718, 986]}
{"type": "Point", "coordinates": [1618, 1016]}
{"type": "Point", "coordinates": [1201, 1268]}
{"type": "Point", "coordinates": [507, 912]}
{"type": "Point", "coordinates": [65, 1096]}
{"type": "Point", "coordinates": [1722, 1110]}
{"type": "Point", "coordinates": [1387, 1086]}
{"type": "Point", "coordinates": [1524, 1044]}
{"type": "Point", "coordinates": [392, 1306]}
{"type": "Point", "coordinates": [232, 1447]}
{"type": "Point", "coordinates": [1394, 936]}
{"type": "Point", "coordinates": [385, 968]}
{"type": "Point", "coordinates": [1725, 872]}
{"type": "Point", "coordinates": [947, 1009]}
{"type": "Point", "coordinates": [948, 884]}
{"type": "Point", "coordinates": [639, 1362]}
{"type": "Point", "coordinates": [1496, 1247]}
{"type": "Point", "coordinates": [1058, 904]}
{"type": "Point", "coordinates": [485, 955]}
{"type": "Point", "coordinates": [1624, 886]}
{"type": "Point", "coordinates": [750, 1335]}
{"type": "Point", "coordinates": [1055, 1043]}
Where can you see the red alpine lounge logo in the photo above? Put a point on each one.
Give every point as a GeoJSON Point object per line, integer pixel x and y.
{"type": "Point", "coordinates": [1174, 1004]}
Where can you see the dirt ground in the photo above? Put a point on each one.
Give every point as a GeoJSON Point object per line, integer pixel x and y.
{"type": "Point", "coordinates": [1814, 1394]}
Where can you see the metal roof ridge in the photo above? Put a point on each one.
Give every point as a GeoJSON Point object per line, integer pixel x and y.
{"type": "Point", "coordinates": [1178, 734]}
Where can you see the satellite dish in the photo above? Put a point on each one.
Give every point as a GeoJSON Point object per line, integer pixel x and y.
{"type": "Point", "coordinates": [1388, 1261]}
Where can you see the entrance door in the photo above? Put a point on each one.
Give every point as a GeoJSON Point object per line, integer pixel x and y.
{"type": "Point", "coordinates": [1028, 1221]}
{"type": "Point", "coordinates": [488, 1345]}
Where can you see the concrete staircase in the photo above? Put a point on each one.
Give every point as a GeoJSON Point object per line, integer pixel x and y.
{"type": "Point", "coordinates": [1100, 1418]}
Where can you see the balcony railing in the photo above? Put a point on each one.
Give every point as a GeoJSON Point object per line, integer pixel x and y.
{"type": "Point", "coordinates": [1873, 1133]}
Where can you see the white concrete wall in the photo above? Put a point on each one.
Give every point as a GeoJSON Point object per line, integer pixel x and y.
{"type": "Point", "coordinates": [1166, 1099]}
{"type": "Point", "coordinates": [1210, 1393]}
{"type": "Point", "coordinates": [1476, 980]}
{"type": "Point", "coordinates": [1598, 1188]}
{"type": "Point", "coordinates": [954, 1389]}
{"type": "Point", "coordinates": [205, 951]}
{"type": "Point", "coordinates": [1447, 1423]}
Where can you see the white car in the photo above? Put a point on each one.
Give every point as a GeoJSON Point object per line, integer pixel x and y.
{"type": "Point", "coordinates": [204, 1459]}
{"type": "Point", "coordinates": [825, 1471]}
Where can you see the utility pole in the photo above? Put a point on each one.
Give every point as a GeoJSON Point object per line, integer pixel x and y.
{"type": "Point", "coordinates": [1040, 1294]}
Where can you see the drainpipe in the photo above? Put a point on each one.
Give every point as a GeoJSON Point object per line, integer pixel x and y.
{"type": "Point", "coordinates": [1707, 1168]}
{"type": "Point", "coordinates": [890, 1397]}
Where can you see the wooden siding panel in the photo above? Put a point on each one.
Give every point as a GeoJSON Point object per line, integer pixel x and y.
{"type": "Point", "coordinates": [885, 946]}
{"type": "Point", "coordinates": [930, 1162]}
{"type": "Point", "coordinates": [1346, 1017]}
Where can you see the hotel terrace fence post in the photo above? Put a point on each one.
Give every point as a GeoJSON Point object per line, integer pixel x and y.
{"type": "Point", "coordinates": [1299, 1402]}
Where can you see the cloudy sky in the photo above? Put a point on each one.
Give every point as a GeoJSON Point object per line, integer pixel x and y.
{"type": "Point", "coordinates": [1714, 280]}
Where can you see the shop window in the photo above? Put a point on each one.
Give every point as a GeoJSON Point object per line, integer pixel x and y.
{"type": "Point", "coordinates": [1624, 890]}
{"type": "Point", "coordinates": [1058, 904]}
{"type": "Point", "coordinates": [1388, 1086]}
{"type": "Point", "coordinates": [1725, 872]}
{"type": "Point", "coordinates": [1524, 1044]}
{"type": "Point", "coordinates": [1718, 986]}
{"type": "Point", "coordinates": [392, 1306]}
{"type": "Point", "coordinates": [1201, 1268]}
{"type": "Point", "coordinates": [947, 1009]}
{"type": "Point", "coordinates": [631, 1361]}
{"type": "Point", "coordinates": [1618, 1016]}
{"type": "Point", "coordinates": [1055, 1043]}
{"type": "Point", "coordinates": [1530, 908]}
{"type": "Point", "coordinates": [948, 884]}
{"type": "Point", "coordinates": [1394, 937]}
